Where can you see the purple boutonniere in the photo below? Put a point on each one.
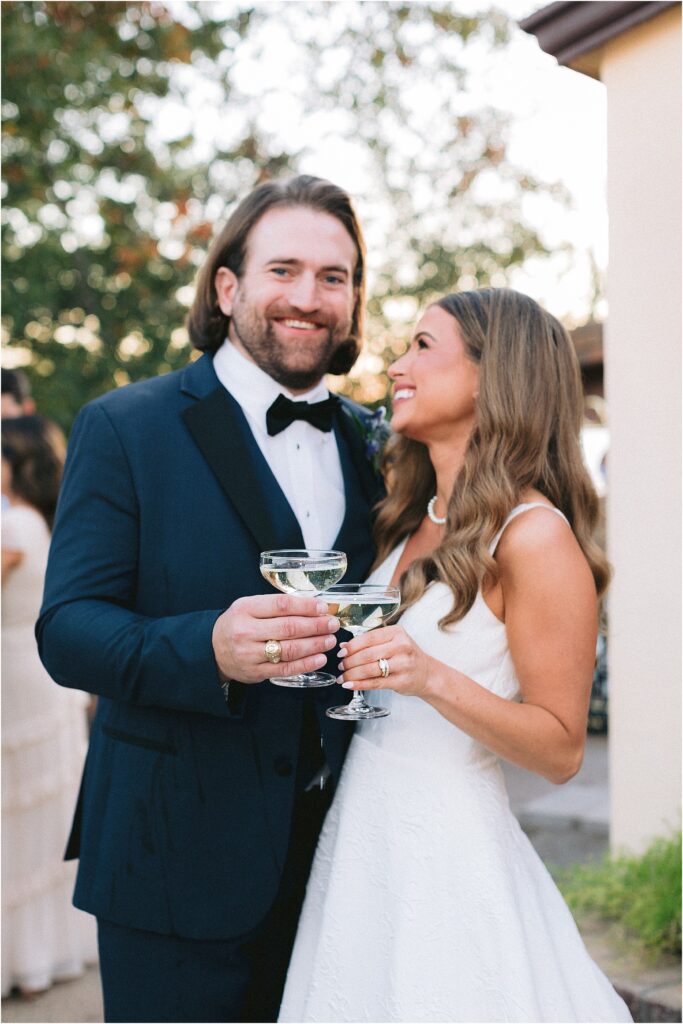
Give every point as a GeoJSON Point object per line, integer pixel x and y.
{"type": "Point", "coordinates": [374, 431]}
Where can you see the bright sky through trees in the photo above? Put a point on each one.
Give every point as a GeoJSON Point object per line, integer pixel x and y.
{"type": "Point", "coordinates": [558, 132]}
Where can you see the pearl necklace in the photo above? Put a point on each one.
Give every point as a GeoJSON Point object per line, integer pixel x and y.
{"type": "Point", "coordinates": [433, 516]}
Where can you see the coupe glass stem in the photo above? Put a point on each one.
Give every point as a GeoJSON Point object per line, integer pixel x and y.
{"type": "Point", "coordinates": [358, 703]}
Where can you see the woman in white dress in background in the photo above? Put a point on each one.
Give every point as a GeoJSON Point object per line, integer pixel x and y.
{"type": "Point", "coordinates": [44, 733]}
{"type": "Point", "coordinates": [426, 901]}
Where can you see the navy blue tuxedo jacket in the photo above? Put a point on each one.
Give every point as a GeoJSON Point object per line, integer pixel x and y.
{"type": "Point", "coordinates": [184, 812]}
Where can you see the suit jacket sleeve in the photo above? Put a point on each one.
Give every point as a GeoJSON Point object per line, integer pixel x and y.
{"type": "Point", "coordinates": [90, 636]}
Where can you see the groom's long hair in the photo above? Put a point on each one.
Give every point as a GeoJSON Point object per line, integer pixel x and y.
{"type": "Point", "coordinates": [528, 419]}
{"type": "Point", "coordinates": [208, 325]}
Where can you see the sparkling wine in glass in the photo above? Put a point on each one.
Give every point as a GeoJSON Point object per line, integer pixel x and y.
{"type": "Point", "coordinates": [305, 573]}
{"type": "Point", "coordinates": [360, 607]}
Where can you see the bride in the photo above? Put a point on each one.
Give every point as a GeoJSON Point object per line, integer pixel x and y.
{"type": "Point", "coordinates": [426, 901]}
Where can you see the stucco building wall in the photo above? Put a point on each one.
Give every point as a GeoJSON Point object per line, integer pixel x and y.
{"type": "Point", "coordinates": [642, 71]}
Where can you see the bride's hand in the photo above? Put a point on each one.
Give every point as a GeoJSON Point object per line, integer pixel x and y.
{"type": "Point", "coordinates": [409, 666]}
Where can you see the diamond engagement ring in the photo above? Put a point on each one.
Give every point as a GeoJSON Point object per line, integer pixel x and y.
{"type": "Point", "coordinates": [383, 667]}
{"type": "Point", "coordinates": [272, 650]}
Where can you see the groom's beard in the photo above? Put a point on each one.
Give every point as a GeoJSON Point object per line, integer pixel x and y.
{"type": "Point", "coordinates": [295, 366]}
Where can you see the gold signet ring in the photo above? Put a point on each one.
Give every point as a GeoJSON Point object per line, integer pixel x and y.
{"type": "Point", "coordinates": [273, 651]}
{"type": "Point", "coordinates": [383, 667]}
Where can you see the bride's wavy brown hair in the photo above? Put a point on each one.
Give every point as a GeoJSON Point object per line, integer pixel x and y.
{"type": "Point", "coordinates": [528, 417]}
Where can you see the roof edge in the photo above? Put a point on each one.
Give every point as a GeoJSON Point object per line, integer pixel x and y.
{"type": "Point", "coordinates": [568, 30]}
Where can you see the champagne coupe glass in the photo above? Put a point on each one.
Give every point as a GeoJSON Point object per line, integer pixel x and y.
{"type": "Point", "coordinates": [306, 573]}
{"type": "Point", "coordinates": [359, 608]}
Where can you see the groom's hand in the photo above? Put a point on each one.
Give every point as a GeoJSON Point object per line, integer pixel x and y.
{"type": "Point", "coordinates": [302, 625]}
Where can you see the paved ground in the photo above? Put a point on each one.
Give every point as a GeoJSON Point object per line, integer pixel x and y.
{"type": "Point", "coordinates": [70, 1001]}
{"type": "Point", "coordinates": [565, 823]}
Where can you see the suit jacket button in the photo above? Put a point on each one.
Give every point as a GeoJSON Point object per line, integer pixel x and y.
{"type": "Point", "coordinates": [283, 765]}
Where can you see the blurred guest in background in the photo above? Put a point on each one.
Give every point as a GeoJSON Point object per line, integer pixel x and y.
{"type": "Point", "coordinates": [16, 395]}
{"type": "Point", "coordinates": [16, 401]}
{"type": "Point", "coordinates": [45, 939]}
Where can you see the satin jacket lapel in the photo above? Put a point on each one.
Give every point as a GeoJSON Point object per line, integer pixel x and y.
{"type": "Point", "coordinates": [222, 434]}
{"type": "Point", "coordinates": [362, 490]}
{"type": "Point", "coordinates": [352, 445]}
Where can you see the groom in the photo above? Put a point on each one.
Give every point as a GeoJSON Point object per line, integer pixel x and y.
{"type": "Point", "coordinates": [205, 787]}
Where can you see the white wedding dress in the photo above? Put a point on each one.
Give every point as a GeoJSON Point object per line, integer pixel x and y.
{"type": "Point", "coordinates": [426, 901]}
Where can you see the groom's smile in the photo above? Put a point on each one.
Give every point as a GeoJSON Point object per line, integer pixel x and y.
{"type": "Point", "coordinates": [300, 325]}
{"type": "Point", "coordinates": [297, 327]}
{"type": "Point", "coordinates": [291, 306]}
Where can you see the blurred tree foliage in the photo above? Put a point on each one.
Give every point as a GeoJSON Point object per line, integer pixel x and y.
{"type": "Point", "coordinates": [108, 212]}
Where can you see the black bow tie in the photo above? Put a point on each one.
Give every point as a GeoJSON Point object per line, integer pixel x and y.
{"type": "Point", "coordinates": [283, 412]}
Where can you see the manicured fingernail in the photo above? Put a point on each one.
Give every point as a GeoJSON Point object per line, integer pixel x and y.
{"type": "Point", "coordinates": [347, 686]}
{"type": "Point", "coordinates": [321, 607]}
{"type": "Point", "coordinates": [341, 666]}
{"type": "Point", "coordinates": [340, 679]}
{"type": "Point", "coordinates": [333, 624]}
{"type": "Point", "coordinates": [342, 652]}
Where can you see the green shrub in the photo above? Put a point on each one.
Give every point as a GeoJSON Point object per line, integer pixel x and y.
{"type": "Point", "coordinates": [643, 894]}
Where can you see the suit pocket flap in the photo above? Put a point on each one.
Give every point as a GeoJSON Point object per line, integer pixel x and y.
{"type": "Point", "coordinates": [139, 741]}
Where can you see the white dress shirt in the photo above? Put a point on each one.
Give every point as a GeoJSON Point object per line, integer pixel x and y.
{"type": "Point", "coordinates": [304, 460]}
